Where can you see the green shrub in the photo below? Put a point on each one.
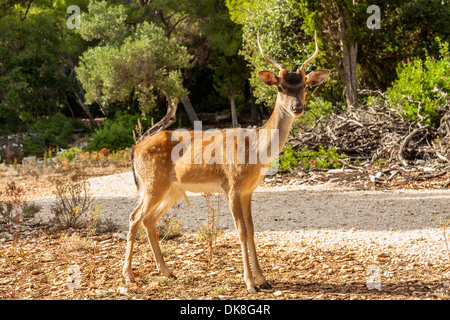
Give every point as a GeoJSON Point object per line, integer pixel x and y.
{"type": "Point", "coordinates": [417, 79]}
{"type": "Point", "coordinates": [314, 108]}
{"type": "Point", "coordinates": [323, 158]}
{"type": "Point", "coordinates": [318, 107]}
{"type": "Point", "coordinates": [288, 159]}
{"type": "Point", "coordinates": [112, 136]}
{"type": "Point", "coordinates": [69, 154]}
{"type": "Point", "coordinates": [46, 133]}
{"type": "Point", "coordinates": [116, 134]}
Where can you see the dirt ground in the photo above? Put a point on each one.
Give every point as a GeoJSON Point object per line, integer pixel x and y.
{"type": "Point", "coordinates": [316, 238]}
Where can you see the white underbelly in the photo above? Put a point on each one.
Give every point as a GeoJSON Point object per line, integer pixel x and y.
{"type": "Point", "coordinates": [201, 187]}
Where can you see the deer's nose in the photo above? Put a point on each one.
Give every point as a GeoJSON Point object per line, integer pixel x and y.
{"type": "Point", "coordinates": [298, 108]}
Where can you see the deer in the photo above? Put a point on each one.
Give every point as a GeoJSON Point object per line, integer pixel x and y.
{"type": "Point", "coordinates": [162, 180]}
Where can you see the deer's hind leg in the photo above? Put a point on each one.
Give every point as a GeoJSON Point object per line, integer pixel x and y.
{"type": "Point", "coordinates": [152, 199]}
{"type": "Point", "coordinates": [135, 221]}
{"type": "Point", "coordinates": [150, 221]}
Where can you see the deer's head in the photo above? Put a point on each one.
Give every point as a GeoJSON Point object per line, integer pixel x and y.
{"type": "Point", "coordinates": [292, 86]}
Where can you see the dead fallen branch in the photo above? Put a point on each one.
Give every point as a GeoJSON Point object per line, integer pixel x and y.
{"type": "Point", "coordinates": [378, 135]}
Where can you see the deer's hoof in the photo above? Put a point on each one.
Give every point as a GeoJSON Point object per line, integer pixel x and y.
{"type": "Point", "coordinates": [254, 290]}
{"type": "Point", "coordinates": [266, 285]}
{"type": "Point", "coordinates": [170, 275]}
{"type": "Point", "coordinates": [129, 279]}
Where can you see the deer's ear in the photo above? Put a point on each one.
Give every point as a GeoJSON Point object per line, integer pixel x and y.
{"type": "Point", "coordinates": [268, 77]}
{"type": "Point", "coordinates": [315, 78]}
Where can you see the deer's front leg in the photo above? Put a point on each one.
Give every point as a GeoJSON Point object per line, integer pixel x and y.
{"type": "Point", "coordinates": [259, 277]}
{"type": "Point", "coordinates": [237, 211]}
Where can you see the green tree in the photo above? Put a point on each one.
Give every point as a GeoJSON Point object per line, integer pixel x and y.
{"type": "Point", "coordinates": [417, 83]}
{"type": "Point", "coordinates": [36, 54]}
{"type": "Point", "coordinates": [230, 72]}
{"type": "Point", "coordinates": [280, 25]}
{"type": "Point", "coordinates": [339, 24]}
{"type": "Point", "coordinates": [408, 29]}
{"type": "Point", "coordinates": [144, 63]}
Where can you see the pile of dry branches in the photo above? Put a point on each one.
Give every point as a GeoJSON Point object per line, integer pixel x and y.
{"type": "Point", "coordinates": [380, 132]}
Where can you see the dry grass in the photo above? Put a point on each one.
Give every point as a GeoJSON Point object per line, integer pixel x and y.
{"type": "Point", "coordinates": [44, 266]}
{"type": "Point", "coordinates": [41, 268]}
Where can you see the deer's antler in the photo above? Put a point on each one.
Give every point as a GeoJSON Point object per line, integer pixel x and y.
{"type": "Point", "coordinates": [313, 56]}
{"type": "Point", "coordinates": [276, 64]}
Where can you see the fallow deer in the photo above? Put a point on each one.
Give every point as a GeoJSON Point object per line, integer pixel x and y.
{"type": "Point", "coordinates": [162, 179]}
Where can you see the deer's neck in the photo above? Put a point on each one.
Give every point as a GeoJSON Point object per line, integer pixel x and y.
{"type": "Point", "coordinates": [280, 123]}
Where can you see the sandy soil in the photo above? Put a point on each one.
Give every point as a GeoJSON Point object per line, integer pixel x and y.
{"type": "Point", "coordinates": [402, 219]}
{"type": "Point", "coordinates": [321, 241]}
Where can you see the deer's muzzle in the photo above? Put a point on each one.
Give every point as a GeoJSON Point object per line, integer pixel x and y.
{"type": "Point", "coordinates": [297, 109]}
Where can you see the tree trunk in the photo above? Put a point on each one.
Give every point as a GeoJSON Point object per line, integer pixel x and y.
{"type": "Point", "coordinates": [374, 78]}
{"type": "Point", "coordinates": [68, 105]}
{"type": "Point", "coordinates": [254, 110]}
{"type": "Point", "coordinates": [189, 110]}
{"type": "Point", "coordinates": [163, 124]}
{"type": "Point", "coordinates": [349, 54]}
{"type": "Point", "coordinates": [86, 110]}
{"type": "Point", "coordinates": [234, 120]}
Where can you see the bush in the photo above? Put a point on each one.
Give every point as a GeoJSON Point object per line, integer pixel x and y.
{"type": "Point", "coordinates": [113, 136]}
{"type": "Point", "coordinates": [416, 80]}
{"type": "Point", "coordinates": [323, 158]}
{"type": "Point", "coordinates": [72, 200]}
{"type": "Point", "coordinates": [69, 154]}
{"type": "Point", "coordinates": [316, 107]}
{"type": "Point", "coordinates": [116, 135]}
{"type": "Point", "coordinates": [288, 159]}
{"type": "Point", "coordinates": [46, 133]}
{"type": "Point", "coordinates": [15, 209]}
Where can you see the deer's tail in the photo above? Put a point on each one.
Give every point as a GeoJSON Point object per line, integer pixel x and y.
{"type": "Point", "coordinates": [136, 182]}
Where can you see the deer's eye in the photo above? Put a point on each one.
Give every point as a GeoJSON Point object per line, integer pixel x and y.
{"type": "Point", "coordinates": [280, 89]}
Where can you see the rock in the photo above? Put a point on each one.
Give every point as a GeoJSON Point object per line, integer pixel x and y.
{"type": "Point", "coordinates": [122, 291]}
{"type": "Point", "coordinates": [101, 292]}
{"type": "Point", "coordinates": [29, 159]}
{"type": "Point", "coordinates": [120, 236]}
{"type": "Point", "coordinates": [153, 285]}
{"type": "Point", "coordinates": [277, 293]}
{"type": "Point", "coordinates": [333, 171]}
{"type": "Point", "coordinates": [47, 258]}
{"type": "Point", "coordinates": [319, 296]}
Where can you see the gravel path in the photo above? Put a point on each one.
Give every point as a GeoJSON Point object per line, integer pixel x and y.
{"type": "Point", "coordinates": [393, 221]}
